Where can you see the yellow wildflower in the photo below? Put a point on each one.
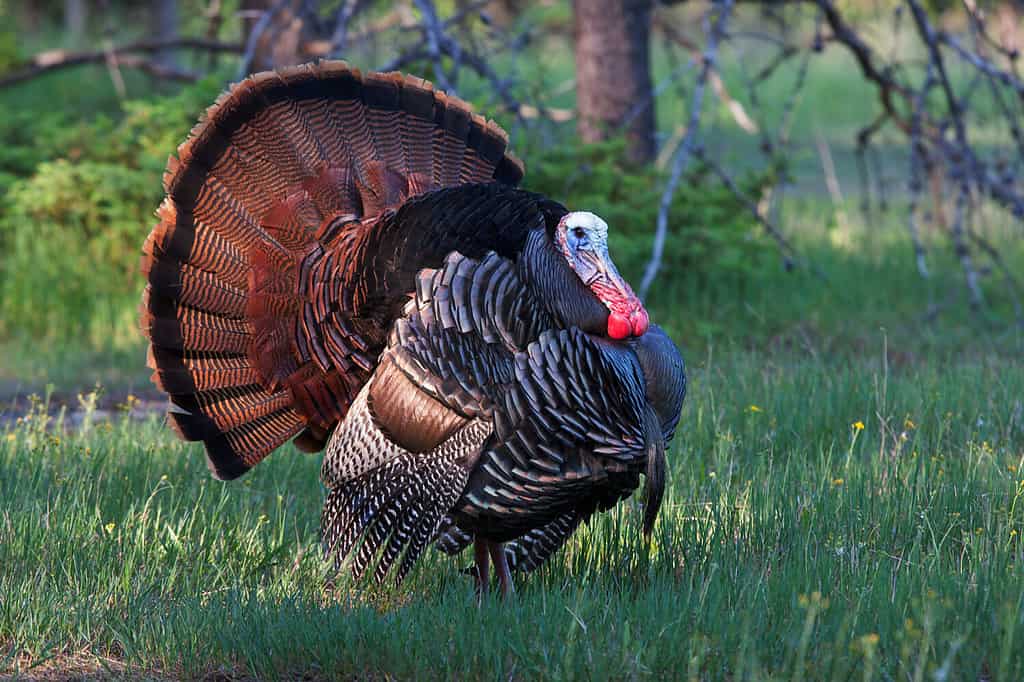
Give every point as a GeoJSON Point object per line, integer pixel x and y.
{"type": "Point", "coordinates": [110, 527]}
{"type": "Point", "coordinates": [858, 425]}
{"type": "Point", "coordinates": [908, 424]}
{"type": "Point", "coordinates": [754, 408]}
{"type": "Point", "coordinates": [837, 481]}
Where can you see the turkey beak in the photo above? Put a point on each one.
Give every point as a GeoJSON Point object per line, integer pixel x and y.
{"type": "Point", "coordinates": [627, 316]}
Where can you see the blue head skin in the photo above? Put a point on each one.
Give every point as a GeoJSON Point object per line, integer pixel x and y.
{"type": "Point", "coordinates": [582, 238]}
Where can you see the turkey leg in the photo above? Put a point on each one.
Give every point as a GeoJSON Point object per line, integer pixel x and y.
{"type": "Point", "coordinates": [501, 569]}
{"type": "Point", "coordinates": [480, 556]}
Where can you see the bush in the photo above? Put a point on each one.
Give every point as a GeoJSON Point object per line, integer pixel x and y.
{"type": "Point", "coordinates": [78, 204]}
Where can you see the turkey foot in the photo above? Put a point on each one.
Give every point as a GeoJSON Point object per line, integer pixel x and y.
{"type": "Point", "coordinates": [500, 560]}
{"type": "Point", "coordinates": [482, 574]}
{"type": "Point", "coordinates": [486, 552]}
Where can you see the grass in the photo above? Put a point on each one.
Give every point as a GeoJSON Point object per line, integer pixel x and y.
{"type": "Point", "coordinates": [793, 543]}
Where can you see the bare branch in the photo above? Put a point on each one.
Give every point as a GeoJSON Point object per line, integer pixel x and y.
{"type": "Point", "coordinates": [348, 10]}
{"type": "Point", "coordinates": [125, 55]}
{"type": "Point", "coordinates": [434, 34]}
{"type": "Point", "coordinates": [785, 247]}
{"type": "Point", "coordinates": [683, 151]}
{"type": "Point", "coordinates": [253, 41]}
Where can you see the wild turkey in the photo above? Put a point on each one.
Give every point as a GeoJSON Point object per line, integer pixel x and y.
{"type": "Point", "coordinates": [344, 259]}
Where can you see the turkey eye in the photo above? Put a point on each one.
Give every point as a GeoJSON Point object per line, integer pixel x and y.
{"type": "Point", "coordinates": [579, 232]}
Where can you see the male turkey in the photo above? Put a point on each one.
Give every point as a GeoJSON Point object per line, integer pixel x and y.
{"type": "Point", "coordinates": [344, 259]}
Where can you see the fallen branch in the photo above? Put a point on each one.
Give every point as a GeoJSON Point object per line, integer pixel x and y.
{"type": "Point", "coordinates": [125, 55]}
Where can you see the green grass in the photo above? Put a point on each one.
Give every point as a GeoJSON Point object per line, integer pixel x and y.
{"type": "Point", "coordinates": [791, 544]}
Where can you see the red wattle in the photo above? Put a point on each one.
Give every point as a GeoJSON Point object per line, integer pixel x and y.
{"type": "Point", "coordinates": [640, 321]}
{"type": "Point", "coordinates": [619, 326]}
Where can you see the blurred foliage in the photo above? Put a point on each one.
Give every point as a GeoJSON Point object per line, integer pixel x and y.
{"type": "Point", "coordinates": [77, 202]}
{"type": "Point", "coordinates": [8, 37]}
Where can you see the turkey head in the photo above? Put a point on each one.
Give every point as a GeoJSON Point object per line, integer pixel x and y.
{"type": "Point", "coordinates": [569, 268]}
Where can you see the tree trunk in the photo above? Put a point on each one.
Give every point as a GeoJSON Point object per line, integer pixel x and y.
{"type": "Point", "coordinates": [164, 26]}
{"type": "Point", "coordinates": [613, 73]}
{"type": "Point", "coordinates": [281, 41]}
{"type": "Point", "coordinates": [75, 16]}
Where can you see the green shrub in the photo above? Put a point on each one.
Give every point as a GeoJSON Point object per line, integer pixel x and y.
{"type": "Point", "coordinates": [75, 230]}
{"type": "Point", "coordinates": [79, 202]}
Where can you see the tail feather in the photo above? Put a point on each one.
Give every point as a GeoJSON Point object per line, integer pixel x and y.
{"type": "Point", "coordinates": [654, 485]}
{"type": "Point", "coordinates": [533, 549]}
{"type": "Point", "coordinates": [453, 117]}
{"type": "Point", "coordinates": [359, 505]}
{"type": "Point", "coordinates": [334, 194]}
{"type": "Point", "coordinates": [191, 329]}
{"type": "Point", "coordinates": [417, 134]}
{"type": "Point", "coordinates": [425, 530]}
{"type": "Point", "coordinates": [279, 170]}
{"type": "Point", "coordinates": [177, 374]}
{"type": "Point", "coordinates": [526, 553]}
{"type": "Point", "coordinates": [244, 173]}
{"type": "Point", "coordinates": [256, 439]}
{"type": "Point", "coordinates": [384, 117]}
{"type": "Point", "coordinates": [390, 512]}
{"type": "Point", "coordinates": [380, 527]}
{"type": "Point", "coordinates": [172, 243]}
{"type": "Point", "coordinates": [196, 288]}
{"type": "Point", "coordinates": [403, 531]}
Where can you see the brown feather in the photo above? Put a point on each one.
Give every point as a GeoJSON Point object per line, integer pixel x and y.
{"type": "Point", "coordinates": [261, 325]}
{"type": "Point", "coordinates": [410, 417]}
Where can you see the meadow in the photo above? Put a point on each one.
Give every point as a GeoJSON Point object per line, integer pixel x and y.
{"type": "Point", "coordinates": [846, 496]}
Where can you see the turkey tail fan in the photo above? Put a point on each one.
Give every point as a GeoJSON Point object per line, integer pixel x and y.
{"type": "Point", "coordinates": [390, 512]}
{"type": "Point", "coordinates": [250, 337]}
